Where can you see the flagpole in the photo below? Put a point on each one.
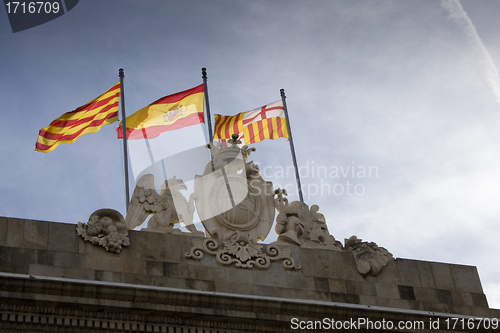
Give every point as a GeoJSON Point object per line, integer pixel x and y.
{"type": "Point", "coordinates": [290, 140]}
{"type": "Point", "coordinates": [209, 120]}
{"type": "Point", "coordinates": [151, 154]}
{"type": "Point", "coordinates": [124, 129]}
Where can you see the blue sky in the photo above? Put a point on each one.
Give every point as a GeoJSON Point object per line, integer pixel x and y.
{"type": "Point", "coordinates": [410, 89]}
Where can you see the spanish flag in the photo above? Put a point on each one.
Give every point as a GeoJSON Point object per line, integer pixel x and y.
{"type": "Point", "coordinates": [171, 112]}
{"type": "Point", "coordinates": [88, 118]}
{"type": "Point", "coordinates": [266, 122]}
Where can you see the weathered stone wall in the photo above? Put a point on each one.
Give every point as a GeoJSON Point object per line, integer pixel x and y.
{"type": "Point", "coordinates": [49, 249]}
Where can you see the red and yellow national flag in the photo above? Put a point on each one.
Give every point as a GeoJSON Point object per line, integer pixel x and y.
{"type": "Point", "coordinates": [267, 122]}
{"type": "Point", "coordinates": [168, 113]}
{"type": "Point", "coordinates": [88, 118]}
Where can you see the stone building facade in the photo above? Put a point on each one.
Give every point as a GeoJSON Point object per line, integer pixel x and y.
{"type": "Point", "coordinates": [51, 280]}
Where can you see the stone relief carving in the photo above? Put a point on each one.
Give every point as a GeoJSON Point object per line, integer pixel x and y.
{"type": "Point", "coordinates": [237, 208]}
{"type": "Point", "coordinates": [370, 258]}
{"type": "Point", "coordinates": [240, 252]}
{"type": "Point", "coordinates": [231, 197]}
{"type": "Point", "coordinates": [106, 228]}
{"type": "Point", "coordinates": [299, 225]}
{"type": "Point", "coordinates": [168, 208]}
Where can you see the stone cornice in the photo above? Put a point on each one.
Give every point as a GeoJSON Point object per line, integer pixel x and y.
{"type": "Point", "coordinates": [76, 304]}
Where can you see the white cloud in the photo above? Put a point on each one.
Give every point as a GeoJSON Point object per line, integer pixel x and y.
{"type": "Point", "coordinates": [492, 291]}
{"type": "Point", "coordinates": [490, 71]}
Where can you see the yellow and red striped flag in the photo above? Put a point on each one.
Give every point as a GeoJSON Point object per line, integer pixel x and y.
{"type": "Point", "coordinates": [88, 118]}
{"type": "Point", "coordinates": [171, 112]}
{"type": "Point", "coordinates": [267, 122]}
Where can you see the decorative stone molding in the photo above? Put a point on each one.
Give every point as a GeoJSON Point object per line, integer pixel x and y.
{"type": "Point", "coordinates": [370, 258]}
{"type": "Point", "coordinates": [77, 306]}
{"type": "Point", "coordinates": [106, 228]}
{"type": "Point", "coordinates": [241, 253]}
{"type": "Point", "coordinates": [16, 318]}
{"type": "Point", "coordinates": [117, 295]}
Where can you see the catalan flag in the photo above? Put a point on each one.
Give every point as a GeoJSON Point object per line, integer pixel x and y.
{"type": "Point", "coordinates": [88, 118]}
{"type": "Point", "coordinates": [171, 112]}
{"type": "Point", "coordinates": [267, 122]}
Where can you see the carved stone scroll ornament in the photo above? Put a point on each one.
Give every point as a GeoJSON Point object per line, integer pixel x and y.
{"type": "Point", "coordinates": [370, 258]}
{"type": "Point", "coordinates": [106, 228]}
{"type": "Point", "coordinates": [240, 252]}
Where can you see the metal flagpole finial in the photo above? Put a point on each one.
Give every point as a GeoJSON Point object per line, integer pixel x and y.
{"type": "Point", "coordinates": [204, 73]}
{"type": "Point", "coordinates": [120, 73]}
{"type": "Point", "coordinates": [282, 92]}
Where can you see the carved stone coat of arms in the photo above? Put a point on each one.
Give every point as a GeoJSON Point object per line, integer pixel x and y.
{"type": "Point", "coordinates": [232, 198]}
